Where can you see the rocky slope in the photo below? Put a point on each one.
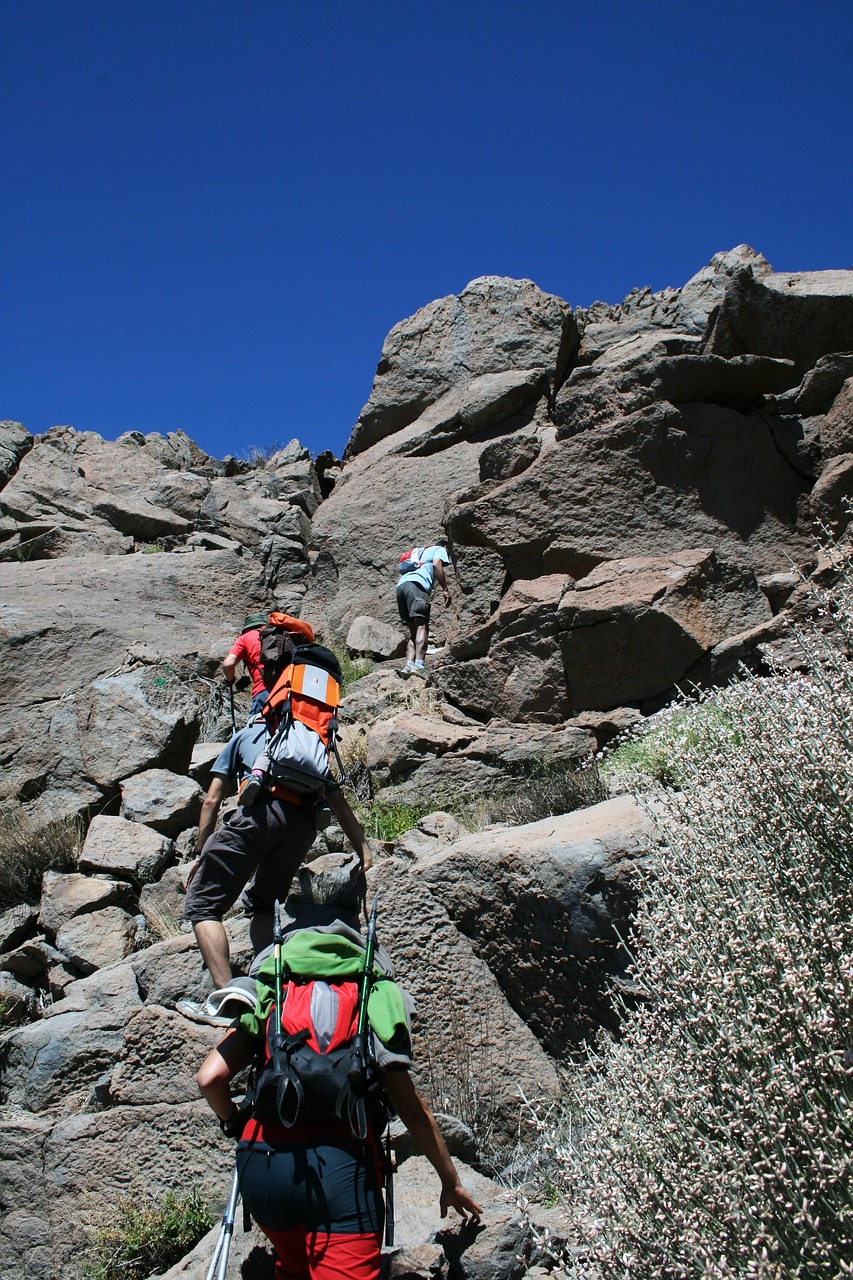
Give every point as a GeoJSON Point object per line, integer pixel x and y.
{"type": "Point", "coordinates": [627, 492]}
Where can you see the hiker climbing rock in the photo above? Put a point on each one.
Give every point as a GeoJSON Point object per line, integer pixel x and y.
{"type": "Point", "coordinates": [420, 568]}
{"type": "Point", "coordinates": [329, 1031]}
{"type": "Point", "coordinates": [247, 649]}
{"type": "Point", "coordinates": [265, 646]}
{"type": "Point", "coordinates": [258, 848]}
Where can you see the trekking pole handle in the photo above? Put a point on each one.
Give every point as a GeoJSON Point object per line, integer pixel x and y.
{"type": "Point", "coordinates": [367, 973]}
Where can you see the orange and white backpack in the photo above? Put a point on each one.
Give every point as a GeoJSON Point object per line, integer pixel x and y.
{"type": "Point", "coordinates": [301, 714]}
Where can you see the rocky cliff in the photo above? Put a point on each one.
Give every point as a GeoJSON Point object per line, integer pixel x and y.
{"type": "Point", "coordinates": [629, 493]}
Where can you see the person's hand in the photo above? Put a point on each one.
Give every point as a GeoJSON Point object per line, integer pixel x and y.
{"type": "Point", "coordinates": [446, 598]}
{"type": "Point", "coordinates": [456, 1197]}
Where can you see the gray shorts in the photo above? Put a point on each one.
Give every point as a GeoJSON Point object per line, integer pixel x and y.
{"type": "Point", "coordinates": [265, 844]}
{"type": "Point", "coordinates": [413, 602]}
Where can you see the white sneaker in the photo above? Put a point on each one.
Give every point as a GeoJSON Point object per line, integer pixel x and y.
{"type": "Point", "coordinates": [197, 1012]}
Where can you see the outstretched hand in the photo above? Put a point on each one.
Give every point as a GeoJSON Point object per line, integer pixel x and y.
{"type": "Point", "coordinates": [457, 1198]}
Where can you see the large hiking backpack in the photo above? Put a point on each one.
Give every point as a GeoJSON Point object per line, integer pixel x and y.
{"type": "Point", "coordinates": [315, 1072]}
{"type": "Point", "coordinates": [410, 560]}
{"type": "Point", "coordinates": [279, 638]}
{"type": "Point", "coordinates": [301, 712]}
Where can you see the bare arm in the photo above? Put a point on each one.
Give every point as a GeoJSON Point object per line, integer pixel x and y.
{"type": "Point", "coordinates": [351, 826]}
{"type": "Point", "coordinates": [438, 566]}
{"type": "Point", "coordinates": [219, 1068]}
{"type": "Point", "coordinates": [229, 666]}
{"type": "Point", "coordinates": [420, 1122]}
{"type": "Point", "coordinates": [210, 810]}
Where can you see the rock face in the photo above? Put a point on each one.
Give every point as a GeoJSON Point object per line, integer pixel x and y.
{"type": "Point", "coordinates": [623, 489]}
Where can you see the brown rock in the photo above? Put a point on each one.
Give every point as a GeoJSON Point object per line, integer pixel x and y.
{"type": "Point", "coordinates": [166, 801]}
{"type": "Point", "coordinates": [97, 939]}
{"type": "Point", "coordinates": [65, 896]}
{"type": "Point", "coordinates": [541, 904]}
{"type": "Point", "coordinates": [126, 849]}
{"type": "Point", "coordinates": [797, 316]}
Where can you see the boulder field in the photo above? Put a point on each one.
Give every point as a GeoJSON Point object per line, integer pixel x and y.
{"type": "Point", "coordinates": [630, 495]}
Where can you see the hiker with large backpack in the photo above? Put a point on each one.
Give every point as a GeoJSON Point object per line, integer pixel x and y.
{"type": "Point", "coordinates": [329, 1033]}
{"type": "Point", "coordinates": [264, 647]}
{"type": "Point", "coordinates": [260, 846]}
{"type": "Point", "coordinates": [419, 568]}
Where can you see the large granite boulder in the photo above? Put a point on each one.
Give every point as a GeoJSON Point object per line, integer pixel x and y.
{"type": "Point", "coordinates": [122, 642]}
{"type": "Point", "coordinates": [494, 325]}
{"type": "Point", "coordinates": [545, 905]}
{"type": "Point", "coordinates": [797, 316]}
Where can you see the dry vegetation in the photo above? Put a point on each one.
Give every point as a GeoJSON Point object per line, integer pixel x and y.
{"type": "Point", "coordinates": [28, 849]}
{"type": "Point", "coordinates": [715, 1138]}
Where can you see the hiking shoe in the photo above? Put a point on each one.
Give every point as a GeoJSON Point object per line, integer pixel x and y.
{"type": "Point", "coordinates": [408, 669]}
{"type": "Point", "coordinates": [198, 1012]}
{"type": "Point", "coordinates": [420, 671]}
{"type": "Point", "coordinates": [251, 790]}
{"type": "Point", "coordinates": [223, 1006]}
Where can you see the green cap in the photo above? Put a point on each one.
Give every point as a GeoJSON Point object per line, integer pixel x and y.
{"type": "Point", "coordinates": [254, 620]}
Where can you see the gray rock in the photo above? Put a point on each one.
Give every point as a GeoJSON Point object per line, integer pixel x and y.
{"type": "Point", "coordinates": [829, 499]}
{"type": "Point", "coordinates": [83, 615]}
{"type": "Point", "coordinates": [818, 388]}
{"type": "Point", "coordinates": [547, 899]}
{"type": "Point", "coordinates": [18, 1002]}
{"type": "Point", "coordinates": [64, 896]}
{"type": "Point", "coordinates": [472, 1052]}
{"type": "Point", "coordinates": [203, 756]}
{"type": "Point", "coordinates": [55, 1062]}
{"type": "Point", "coordinates": [369, 635]}
{"type": "Point", "coordinates": [836, 428]}
{"type": "Point", "coordinates": [494, 325]}
{"type": "Point", "coordinates": [97, 939]}
{"type": "Point", "coordinates": [797, 316]}
{"type": "Point", "coordinates": [161, 1054]}
{"type": "Point", "coordinates": [168, 802]}
{"type": "Point", "coordinates": [738, 383]}
{"type": "Point", "coordinates": [15, 924]}
{"type": "Point", "coordinates": [130, 850]}
{"type": "Point", "coordinates": [15, 443]}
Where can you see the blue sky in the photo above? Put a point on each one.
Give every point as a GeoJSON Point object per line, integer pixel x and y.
{"type": "Point", "coordinates": [214, 211]}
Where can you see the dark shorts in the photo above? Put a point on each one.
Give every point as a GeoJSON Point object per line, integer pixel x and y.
{"type": "Point", "coordinates": [316, 1185]}
{"type": "Point", "coordinates": [267, 841]}
{"type": "Point", "coordinates": [413, 602]}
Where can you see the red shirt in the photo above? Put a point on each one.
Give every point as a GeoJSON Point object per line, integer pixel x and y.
{"type": "Point", "coordinates": [247, 649]}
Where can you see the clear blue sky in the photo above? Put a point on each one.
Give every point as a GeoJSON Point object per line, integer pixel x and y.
{"type": "Point", "coordinates": [214, 210]}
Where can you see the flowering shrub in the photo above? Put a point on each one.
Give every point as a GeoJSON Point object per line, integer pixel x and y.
{"type": "Point", "coordinates": [715, 1137]}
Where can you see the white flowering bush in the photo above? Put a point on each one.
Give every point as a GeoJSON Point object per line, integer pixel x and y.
{"type": "Point", "coordinates": [715, 1137]}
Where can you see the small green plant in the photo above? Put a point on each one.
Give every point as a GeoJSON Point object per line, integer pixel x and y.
{"type": "Point", "coordinates": [352, 669]}
{"type": "Point", "coordinates": [141, 1235]}
{"type": "Point", "coordinates": [385, 821]}
{"type": "Point", "coordinates": [28, 849]}
{"type": "Point", "coordinates": [655, 751]}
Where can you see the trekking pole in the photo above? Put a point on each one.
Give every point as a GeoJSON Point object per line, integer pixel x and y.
{"type": "Point", "coordinates": [231, 697]}
{"type": "Point", "coordinates": [223, 1244]}
{"type": "Point", "coordinates": [359, 1073]}
{"type": "Point", "coordinates": [278, 939]}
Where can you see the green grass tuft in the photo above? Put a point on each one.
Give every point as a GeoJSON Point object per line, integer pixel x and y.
{"type": "Point", "coordinates": [139, 1236]}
